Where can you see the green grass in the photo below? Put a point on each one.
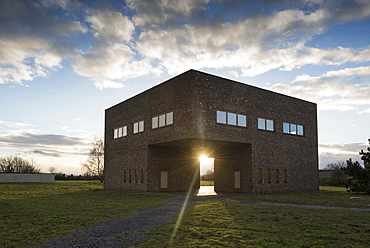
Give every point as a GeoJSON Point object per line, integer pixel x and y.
{"type": "Point", "coordinates": [207, 183]}
{"type": "Point", "coordinates": [326, 196]}
{"type": "Point", "coordinates": [32, 213]}
{"type": "Point", "coordinates": [220, 224]}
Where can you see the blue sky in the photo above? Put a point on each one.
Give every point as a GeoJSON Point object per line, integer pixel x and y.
{"type": "Point", "coordinates": [63, 62]}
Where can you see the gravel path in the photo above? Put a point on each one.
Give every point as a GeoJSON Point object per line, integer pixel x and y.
{"type": "Point", "coordinates": [126, 231]}
{"type": "Point", "coordinates": [121, 232]}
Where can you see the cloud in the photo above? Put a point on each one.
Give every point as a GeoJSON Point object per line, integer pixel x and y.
{"type": "Point", "coordinates": [27, 139]}
{"type": "Point", "coordinates": [334, 90]}
{"type": "Point", "coordinates": [111, 26]}
{"type": "Point", "coordinates": [329, 153]}
{"type": "Point", "coordinates": [255, 43]}
{"type": "Point", "coordinates": [47, 154]}
{"type": "Point", "coordinates": [112, 59]}
{"type": "Point", "coordinates": [33, 39]}
{"type": "Point", "coordinates": [155, 37]}
{"type": "Point", "coordinates": [366, 111]}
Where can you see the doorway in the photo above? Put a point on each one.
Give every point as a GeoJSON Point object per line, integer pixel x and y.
{"type": "Point", "coordinates": [207, 176]}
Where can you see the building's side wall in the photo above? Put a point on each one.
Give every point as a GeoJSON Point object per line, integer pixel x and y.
{"type": "Point", "coordinates": [287, 158]}
{"type": "Point", "coordinates": [130, 153]}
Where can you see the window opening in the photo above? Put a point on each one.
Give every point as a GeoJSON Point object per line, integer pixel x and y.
{"type": "Point", "coordinates": [141, 176]}
{"type": "Point", "coordinates": [120, 132]}
{"type": "Point", "coordinates": [162, 120]}
{"type": "Point", "coordinates": [269, 175]}
{"type": "Point", "coordinates": [285, 176]}
{"type": "Point", "coordinates": [230, 118]}
{"type": "Point", "coordinates": [265, 124]}
{"type": "Point", "coordinates": [293, 129]}
{"type": "Point", "coordinates": [139, 127]}
{"type": "Point", "coordinates": [260, 176]}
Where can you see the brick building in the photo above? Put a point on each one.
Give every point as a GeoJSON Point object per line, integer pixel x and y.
{"type": "Point", "coordinates": [261, 141]}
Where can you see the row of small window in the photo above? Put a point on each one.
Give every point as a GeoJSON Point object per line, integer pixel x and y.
{"type": "Point", "coordinates": [292, 129]}
{"type": "Point", "coordinates": [233, 119]}
{"type": "Point", "coordinates": [268, 176]}
{"type": "Point", "coordinates": [138, 127]}
{"type": "Point", "coordinates": [132, 176]}
{"type": "Point", "coordinates": [240, 120]}
{"type": "Point", "coordinates": [162, 120]}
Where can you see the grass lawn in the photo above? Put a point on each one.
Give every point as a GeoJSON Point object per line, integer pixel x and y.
{"type": "Point", "coordinates": [220, 224]}
{"type": "Point", "coordinates": [35, 212]}
{"type": "Point", "coordinates": [326, 196]}
{"type": "Point", "coordinates": [207, 183]}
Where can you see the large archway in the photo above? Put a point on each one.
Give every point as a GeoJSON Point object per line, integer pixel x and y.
{"type": "Point", "coordinates": [175, 166]}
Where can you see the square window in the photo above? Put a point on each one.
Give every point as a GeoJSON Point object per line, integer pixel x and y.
{"type": "Point", "coordinates": [124, 131]}
{"type": "Point", "coordinates": [231, 119]}
{"type": "Point", "coordinates": [299, 129]}
{"type": "Point", "coordinates": [261, 124]}
{"type": "Point", "coordinates": [221, 117]}
{"type": "Point", "coordinates": [136, 127]}
{"type": "Point", "coordinates": [115, 133]}
{"type": "Point", "coordinates": [285, 127]}
{"type": "Point", "coordinates": [120, 132]}
{"type": "Point", "coordinates": [141, 126]}
{"type": "Point", "coordinates": [293, 129]}
{"type": "Point", "coordinates": [270, 125]}
{"type": "Point", "coordinates": [162, 120]}
{"type": "Point", "coordinates": [155, 122]}
{"type": "Point", "coordinates": [242, 120]}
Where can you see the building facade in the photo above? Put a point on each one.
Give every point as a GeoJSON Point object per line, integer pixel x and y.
{"type": "Point", "coordinates": [261, 141]}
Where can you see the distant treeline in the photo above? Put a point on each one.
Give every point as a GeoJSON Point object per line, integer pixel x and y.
{"type": "Point", "coordinates": [62, 176]}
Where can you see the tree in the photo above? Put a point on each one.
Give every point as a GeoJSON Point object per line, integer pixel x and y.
{"type": "Point", "coordinates": [52, 170]}
{"type": "Point", "coordinates": [337, 173]}
{"type": "Point", "coordinates": [15, 164]}
{"type": "Point", "coordinates": [94, 165]}
{"type": "Point", "coordinates": [208, 176]}
{"type": "Point", "coordinates": [359, 176]}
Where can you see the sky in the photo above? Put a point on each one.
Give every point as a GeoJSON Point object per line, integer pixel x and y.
{"type": "Point", "coordinates": [63, 62]}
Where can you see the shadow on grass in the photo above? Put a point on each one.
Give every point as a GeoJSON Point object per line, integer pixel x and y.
{"type": "Point", "coordinates": [221, 224]}
{"type": "Point", "coordinates": [45, 211]}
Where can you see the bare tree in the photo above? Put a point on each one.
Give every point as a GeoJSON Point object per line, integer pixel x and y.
{"type": "Point", "coordinates": [94, 165]}
{"type": "Point", "coordinates": [337, 172]}
{"type": "Point", "coordinates": [52, 170]}
{"type": "Point", "coordinates": [18, 165]}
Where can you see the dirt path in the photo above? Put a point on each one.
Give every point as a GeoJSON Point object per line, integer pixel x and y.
{"type": "Point", "coordinates": [126, 231]}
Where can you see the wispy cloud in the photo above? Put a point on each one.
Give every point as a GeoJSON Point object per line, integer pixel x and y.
{"type": "Point", "coordinates": [44, 153]}
{"type": "Point", "coordinates": [24, 138]}
{"type": "Point", "coordinates": [343, 90]}
{"type": "Point", "coordinates": [330, 153]}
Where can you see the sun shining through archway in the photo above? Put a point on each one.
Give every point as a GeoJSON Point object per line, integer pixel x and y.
{"type": "Point", "coordinates": [206, 175]}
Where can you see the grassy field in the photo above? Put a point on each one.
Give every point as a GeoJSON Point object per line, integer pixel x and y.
{"type": "Point", "coordinates": [207, 183]}
{"type": "Point", "coordinates": [32, 213]}
{"type": "Point", "coordinates": [326, 196]}
{"type": "Point", "coordinates": [220, 224]}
